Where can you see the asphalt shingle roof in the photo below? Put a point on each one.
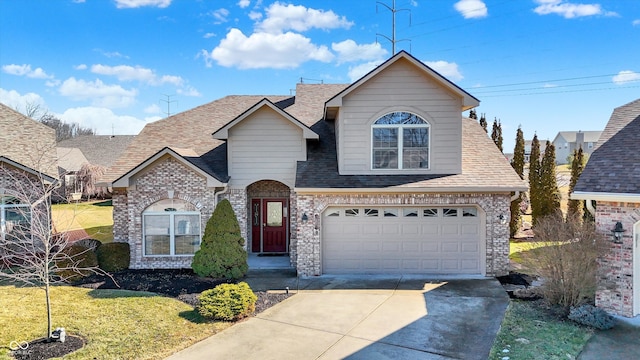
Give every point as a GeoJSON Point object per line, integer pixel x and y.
{"type": "Point", "coordinates": [614, 167]}
{"type": "Point", "coordinates": [28, 142]}
{"type": "Point", "coordinates": [100, 150]}
{"type": "Point", "coordinates": [483, 166]}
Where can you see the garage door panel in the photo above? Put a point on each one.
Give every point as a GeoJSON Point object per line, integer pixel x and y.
{"type": "Point", "coordinates": [450, 229]}
{"type": "Point", "coordinates": [425, 243]}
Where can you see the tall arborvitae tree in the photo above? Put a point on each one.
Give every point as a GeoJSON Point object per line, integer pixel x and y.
{"type": "Point", "coordinates": [496, 134]}
{"type": "Point", "coordinates": [518, 165]}
{"type": "Point", "coordinates": [575, 207]}
{"type": "Point", "coordinates": [534, 179]}
{"type": "Point", "coordinates": [473, 115]}
{"type": "Point", "coordinates": [549, 193]}
{"type": "Point", "coordinates": [483, 123]}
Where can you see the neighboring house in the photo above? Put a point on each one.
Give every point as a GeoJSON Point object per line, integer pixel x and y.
{"type": "Point", "coordinates": [568, 141]}
{"type": "Point", "coordinates": [28, 164]}
{"type": "Point", "coordinates": [379, 176]}
{"type": "Point", "coordinates": [98, 150]}
{"type": "Point", "coordinates": [612, 179]}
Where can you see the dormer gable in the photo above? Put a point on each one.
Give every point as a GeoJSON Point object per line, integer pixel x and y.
{"type": "Point", "coordinates": [223, 132]}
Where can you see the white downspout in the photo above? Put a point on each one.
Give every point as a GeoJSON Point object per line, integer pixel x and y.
{"type": "Point", "coordinates": [215, 196]}
{"type": "Point", "coordinates": [515, 196]}
{"type": "Point", "coordinates": [590, 207]}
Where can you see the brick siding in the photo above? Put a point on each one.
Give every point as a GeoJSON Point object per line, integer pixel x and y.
{"type": "Point", "coordinates": [615, 273]}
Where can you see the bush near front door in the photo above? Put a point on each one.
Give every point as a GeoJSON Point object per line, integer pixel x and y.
{"type": "Point", "coordinates": [221, 253]}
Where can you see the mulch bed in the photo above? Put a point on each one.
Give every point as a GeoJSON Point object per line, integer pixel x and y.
{"type": "Point", "coordinates": [182, 284]}
{"type": "Point", "coordinates": [42, 349]}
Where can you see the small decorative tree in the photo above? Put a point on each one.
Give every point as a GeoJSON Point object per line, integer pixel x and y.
{"type": "Point", "coordinates": [222, 253]}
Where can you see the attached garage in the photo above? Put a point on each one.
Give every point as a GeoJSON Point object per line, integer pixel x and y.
{"type": "Point", "coordinates": [399, 240]}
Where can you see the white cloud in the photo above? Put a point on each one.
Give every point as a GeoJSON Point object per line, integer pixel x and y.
{"type": "Point", "coordinates": [350, 51]}
{"type": "Point", "coordinates": [446, 69]}
{"type": "Point", "coordinates": [255, 16]}
{"type": "Point", "coordinates": [152, 109]}
{"type": "Point", "coordinates": [220, 15]}
{"type": "Point", "coordinates": [264, 50]}
{"type": "Point", "coordinates": [189, 91]}
{"type": "Point", "coordinates": [358, 71]}
{"type": "Point", "coordinates": [15, 100]}
{"type": "Point", "coordinates": [471, 9]}
{"type": "Point", "coordinates": [569, 10]}
{"type": "Point", "coordinates": [111, 54]}
{"type": "Point", "coordinates": [636, 22]}
{"type": "Point", "coordinates": [124, 4]}
{"type": "Point", "coordinates": [244, 3]}
{"type": "Point", "coordinates": [208, 35]}
{"type": "Point", "coordinates": [25, 70]}
{"type": "Point", "coordinates": [80, 67]}
{"type": "Point", "coordinates": [626, 76]}
{"type": "Point", "coordinates": [281, 17]}
{"type": "Point", "coordinates": [549, 86]}
{"type": "Point", "coordinates": [137, 73]}
{"type": "Point", "coordinates": [100, 94]}
{"type": "Point", "coordinates": [104, 121]}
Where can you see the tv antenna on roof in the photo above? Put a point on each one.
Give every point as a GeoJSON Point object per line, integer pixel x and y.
{"type": "Point", "coordinates": [392, 39]}
{"type": "Point", "coordinates": [168, 101]}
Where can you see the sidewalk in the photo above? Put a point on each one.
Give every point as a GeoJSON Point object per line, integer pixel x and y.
{"type": "Point", "coordinates": [620, 343]}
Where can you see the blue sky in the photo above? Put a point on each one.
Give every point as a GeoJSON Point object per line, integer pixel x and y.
{"type": "Point", "coordinates": [114, 65]}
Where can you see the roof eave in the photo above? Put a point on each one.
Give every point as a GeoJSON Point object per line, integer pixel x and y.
{"type": "Point", "coordinates": [605, 196]}
{"type": "Point", "coordinates": [408, 189]}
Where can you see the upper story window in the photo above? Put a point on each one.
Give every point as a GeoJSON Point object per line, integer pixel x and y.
{"type": "Point", "coordinates": [15, 218]}
{"type": "Point", "coordinates": [171, 227]}
{"type": "Point", "coordinates": [400, 140]}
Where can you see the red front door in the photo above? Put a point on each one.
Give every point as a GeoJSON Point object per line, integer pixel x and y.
{"type": "Point", "coordinates": [269, 225]}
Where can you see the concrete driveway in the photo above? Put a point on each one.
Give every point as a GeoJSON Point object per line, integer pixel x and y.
{"type": "Point", "coordinates": [372, 317]}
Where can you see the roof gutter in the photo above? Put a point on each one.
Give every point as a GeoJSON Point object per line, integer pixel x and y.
{"type": "Point", "coordinates": [396, 189]}
{"type": "Point", "coordinates": [602, 196]}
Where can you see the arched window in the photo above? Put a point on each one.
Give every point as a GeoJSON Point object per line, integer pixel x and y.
{"type": "Point", "coordinates": [171, 227]}
{"type": "Point", "coordinates": [400, 140]}
{"type": "Point", "coordinates": [15, 218]}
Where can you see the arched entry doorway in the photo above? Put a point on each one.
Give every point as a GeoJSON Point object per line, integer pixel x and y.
{"type": "Point", "coordinates": [269, 211]}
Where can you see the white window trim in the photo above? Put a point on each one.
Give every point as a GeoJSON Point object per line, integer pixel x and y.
{"type": "Point", "coordinates": [3, 216]}
{"type": "Point", "coordinates": [400, 127]}
{"type": "Point", "coordinates": [172, 231]}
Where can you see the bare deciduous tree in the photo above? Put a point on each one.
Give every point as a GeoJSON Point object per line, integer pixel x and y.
{"type": "Point", "coordinates": [88, 176]}
{"type": "Point", "coordinates": [31, 253]}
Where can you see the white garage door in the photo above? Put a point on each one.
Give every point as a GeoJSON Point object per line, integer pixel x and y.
{"type": "Point", "coordinates": [385, 240]}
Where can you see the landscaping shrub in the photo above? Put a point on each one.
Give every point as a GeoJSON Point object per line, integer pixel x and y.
{"type": "Point", "coordinates": [75, 262]}
{"type": "Point", "coordinates": [564, 255]}
{"type": "Point", "coordinates": [592, 316]}
{"type": "Point", "coordinates": [221, 254]}
{"type": "Point", "coordinates": [227, 302]}
{"type": "Point", "coordinates": [114, 256]}
{"type": "Point", "coordinates": [92, 244]}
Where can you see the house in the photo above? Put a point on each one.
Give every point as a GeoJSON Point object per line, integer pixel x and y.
{"type": "Point", "coordinates": [97, 150]}
{"type": "Point", "coordinates": [28, 164]}
{"type": "Point", "coordinates": [611, 179]}
{"type": "Point", "coordinates": [379, 176]}
{"type": "Point", "coordinates": [568, 141]}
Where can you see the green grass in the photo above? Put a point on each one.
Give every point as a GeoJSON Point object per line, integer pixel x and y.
{"type": "Point", "coordinates": [95, 217]}
{"type": "Point", "coordinates": [116, 324]}
{"type": "Point", "coordinates": [531, 333]}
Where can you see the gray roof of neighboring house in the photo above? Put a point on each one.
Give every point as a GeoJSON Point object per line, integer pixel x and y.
{"type": "Point", "coordinates": [101, 150]}
{"type": "Point", "coordinates": [28, 142]}
{"type": "Point", "coordinates": [614, 167]}
{"type": "Point", "coordinates": [71, 159]}
{"type": "Point", "coordinates": [570, 136]}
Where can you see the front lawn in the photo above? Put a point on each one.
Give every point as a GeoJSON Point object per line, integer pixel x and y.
{"type": "Point", "coordinates": [95, 217]}
{"type": "Point", "coordinates": [116, 324]}
{"type": "Point", "coordinates": [530, 331]}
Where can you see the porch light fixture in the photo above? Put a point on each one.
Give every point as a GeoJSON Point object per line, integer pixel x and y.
{"type": "Point", "coordinates": [305, 218]}
{"type": "Point", "coordinates": [503, 219]}
{"type": "Point", "coordinates": [618, 231]}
